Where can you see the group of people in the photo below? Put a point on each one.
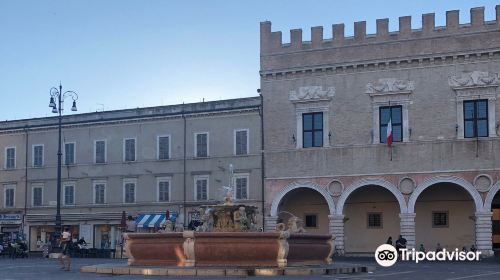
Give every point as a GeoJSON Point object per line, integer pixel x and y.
{"type": "Point", "coordinates": [401, 244]}
{"type": "Point", "coordinates": [17, 249]}
{"type": "Point", "coordinates": [439, 248]}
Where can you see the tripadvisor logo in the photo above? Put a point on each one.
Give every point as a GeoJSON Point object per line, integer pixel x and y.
{"type": "Point", "coordinates": [386, 255]}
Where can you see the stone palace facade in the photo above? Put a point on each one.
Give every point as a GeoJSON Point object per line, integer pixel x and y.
{"type": "Point", "coordinates": [327, 103]}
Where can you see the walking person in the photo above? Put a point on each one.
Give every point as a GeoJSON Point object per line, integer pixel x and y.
{"type": "Point", "coordinates": [66, 247]}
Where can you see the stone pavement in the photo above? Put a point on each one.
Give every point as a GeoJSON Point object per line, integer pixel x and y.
{"type": "Point", "coordinates": [41, 269]}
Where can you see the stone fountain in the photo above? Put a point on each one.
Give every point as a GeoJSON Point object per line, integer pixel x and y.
{"type": "Point", "coordinates": [228, 237]}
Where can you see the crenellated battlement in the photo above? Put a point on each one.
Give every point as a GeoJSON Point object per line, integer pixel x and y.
{"type": "Point", "coordinates": [271, 42]}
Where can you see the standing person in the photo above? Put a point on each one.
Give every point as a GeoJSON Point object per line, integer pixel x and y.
{"type": "Point", "coordinates": [439, 248]}
{"type": "Point", "coordinates": [131, 226]}
{"type": "Point", "coordinates": [400, 243]}
{"type": "Point", "coordinates": [422, 248]}
{"type": "Point", "coordinates": [65, 244]}
{"type": "Point", "coordinates": [389, 241]}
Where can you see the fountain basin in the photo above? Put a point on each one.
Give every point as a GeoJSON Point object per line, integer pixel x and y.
{"type": "Point", "coordinates": [155, 249]}
{"type": "Point", "coordinates": [228, 249]}
{"type": "Point", "coordinates": [238, 249]}
{"type": "Point", "coordinates": [309, 249]}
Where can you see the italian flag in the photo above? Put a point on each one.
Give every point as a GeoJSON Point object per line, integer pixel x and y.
{"type": "Point", "coordinates": [389, 132]}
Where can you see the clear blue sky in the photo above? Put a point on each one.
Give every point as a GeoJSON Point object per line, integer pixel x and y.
{"type": "Point", "coordinates": [124, 54]}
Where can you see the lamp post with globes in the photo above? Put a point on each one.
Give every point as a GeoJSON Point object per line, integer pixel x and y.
{"type": "Point", "coordinates": [57, 97]}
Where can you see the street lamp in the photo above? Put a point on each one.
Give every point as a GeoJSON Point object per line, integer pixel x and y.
{"type": "Point", "coordinates": [57, 95]}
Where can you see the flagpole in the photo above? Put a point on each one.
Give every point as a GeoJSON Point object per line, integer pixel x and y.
{"type": "Point", "coordinates": [475, 125]}
{"type": "Point", "coordinates": [390, 120]}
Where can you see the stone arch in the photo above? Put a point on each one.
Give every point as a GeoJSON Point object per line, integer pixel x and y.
{"type": "Point", "coordinates": [297, 185]}
{"type": "Point", "coordinates": [478, 202]}
{"type": "Point", "coordinates": [490, 196]}
{"type": "Point", "coordinates": [371, 181]}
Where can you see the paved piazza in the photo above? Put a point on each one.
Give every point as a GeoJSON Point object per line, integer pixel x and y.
{"type": "Point", "coordinates": [48, 269]}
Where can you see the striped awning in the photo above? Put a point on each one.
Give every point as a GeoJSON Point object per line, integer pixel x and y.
{"type": "Point", "coordinates": [150, 220]}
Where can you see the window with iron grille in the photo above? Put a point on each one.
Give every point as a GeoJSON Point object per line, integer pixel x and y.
{"type": "Point", "coordinates": [476, 118]}
{"type": "Point", "coordinates": [241, 142]}
{"type": "Point", "coordinates": [374, 220]}
{"type": "Point", "coordinates": [201, 145]}
{"type": "Point", "coordinates": [100, 151]}
{"type": "Point", "coordinates": [163, 147]}
{"type": "Point", "coordinates": [163, 190]}
{"type": "Point", "coordinates": [69, 153]}
{"type": "Point", "coordinates": [37, 196]}
{"type": "Point", "coordinates": [312, 130]}
{"type": "Point", "coordinates": [38, 156]}
{"type": "Point", "coordinates": [99, 193]}
{"type": "Point", "coordinates": [440, 219]}
{"type": "Point", "coordinates": [69, 195]}
{"type": "Point", "coordinates": [311, 220]}
{"type": "Point", "coordinates": [10, 158]}
{"type": "Point", "coordinates": [241, 187]}
{"type": "Point", "coordinates": [201, 188]}
{"type": "Point", "coordinates": [394, 113]}
{"type": "Point", "coordinates": [129, 150]}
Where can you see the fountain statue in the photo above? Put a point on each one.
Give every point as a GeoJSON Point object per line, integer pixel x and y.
{"type": "Point", "coordinates": [228, 216]}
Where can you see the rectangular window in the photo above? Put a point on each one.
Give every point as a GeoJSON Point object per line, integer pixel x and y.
{"type": "Point", "coordinates": [37, 196]}
{"type": "Point", "coordinates": [69, 195]}
{"type": "Point", "coordinates": [163, 190]}
{"type": "Point", "coordinates": [241, 142]}
{"type": "Point", "coordinates": [476, 118]}
{"type": "Point", "coordinates": [201, 185]}
{"type": "Point", "coordinates": [129, 192]}
{"type": "Point", "coordinates": [395, 114]}
{"type": "Point", "coordinates": [37, 155]}
{"type": "Point", "coordinates": [163, 147]}
{"type": "Point", "coordinates": [201, 145]}
{"type": "Point", "coordinates": [311, 220]}
{"type": "Point", "coordinates": [440, 219]}
{"type": "Point", "coordinates": [69, 153]}
{"type": "Point", "coordinates": [241, 187]}
{"type": "Point", "coordinates": [10, 157]}
{"type": "Point", "coordinates": [9, 196]}
{"type": "Point", "coordinates": [374, 220]}
{"type": "Point", "coordinates": [129, 149]}
{"type": "Point", "coordinates": [99, 192]}
{"type": "Point", "coordinates": [100, 151]}
{"type": "Point", "coordinates": [312, 130]}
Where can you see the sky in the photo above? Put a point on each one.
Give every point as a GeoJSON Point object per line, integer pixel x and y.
{"type": "Point", "coordinates": [119, 54]}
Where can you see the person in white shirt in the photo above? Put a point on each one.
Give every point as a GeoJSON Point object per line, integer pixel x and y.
{"type": "Point", "coordinates": [66, 247]}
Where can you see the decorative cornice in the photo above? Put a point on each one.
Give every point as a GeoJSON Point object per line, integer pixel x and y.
{"type": "Point", "coordinates": [311, 93]}
{"type": "Point", "coordinates": [474, 79]}
{"type": "Point", "coordinates": [427, 60]}
{"type": "Point", "coordinates": [119, 121]}
{"type": "Point", "coordinates": [389, 86]}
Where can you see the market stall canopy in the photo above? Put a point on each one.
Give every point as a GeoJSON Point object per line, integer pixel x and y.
{"type": "Point", "coordinates": [152, 220]}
